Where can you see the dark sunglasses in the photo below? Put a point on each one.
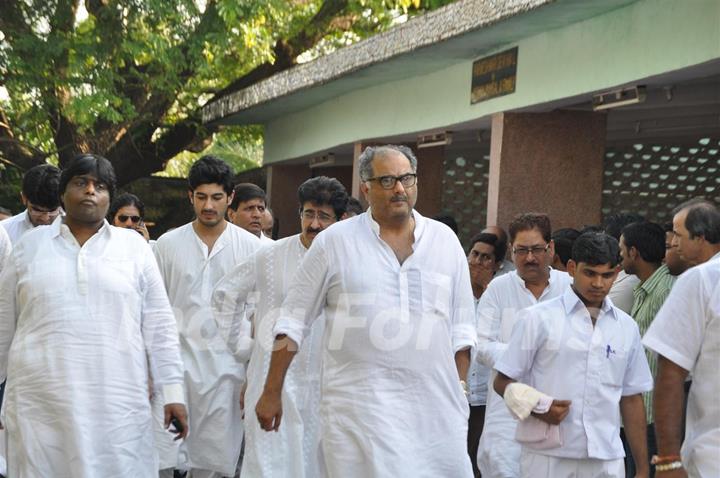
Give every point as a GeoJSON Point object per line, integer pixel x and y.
{"type": "Point", "coordinates": [124, 218]}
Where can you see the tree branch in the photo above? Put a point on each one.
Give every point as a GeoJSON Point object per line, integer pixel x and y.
{"type": "Point", "coordinates": [285, 52]}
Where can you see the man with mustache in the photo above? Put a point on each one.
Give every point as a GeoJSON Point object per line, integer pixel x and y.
{"type": "Point", "coordinates": [247, 210]}
{"type": "Point", "coordinates": [532, 282]}
{"type": "Point", "coordinates": [83, 312]}
{"type": "Point", "coordinates": [193, 259]}
{"type": "Point", "coordinates": [293, 451]}
{"type": "Point", "coordinates": [394, 290]}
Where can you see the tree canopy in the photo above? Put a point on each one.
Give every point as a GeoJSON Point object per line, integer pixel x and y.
{"type": "Point", "coordinates": [127, 78]}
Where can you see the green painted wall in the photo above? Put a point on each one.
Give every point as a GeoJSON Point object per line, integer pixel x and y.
{"type": "Point", "coordinates": [647, 38]}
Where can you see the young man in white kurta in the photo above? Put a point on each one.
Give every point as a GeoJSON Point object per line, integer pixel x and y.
{"type": "Point", "coordinates": [293, 450]}
{"type": "Point", "coordinates": [396, 322]}
{"type": "Point", "coordinates": [213, 377]}
{"type": "Point", "coordinates": [79, 318]}
{"type": "Point", "coordinates": [498, 452]}
{"type": "Point", "coordinates": [686, 332]}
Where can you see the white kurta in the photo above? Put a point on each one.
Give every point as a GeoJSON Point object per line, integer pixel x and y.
{"type": "Point", "coordinates": [392, 404]}
{"type": "Point", "coordinates": [77, 326]}
{"type": "Point", "coordinates": [293, 450]}
{"type": "Point", "coordinates": [5, 250]}
{"type": "Point", "coordinates": [686, 331]}
{"type": "Point", "coordinates": [17, 225]}
{"type": "Point", "coordinates": [498, 452]}
{"type": "Point", "coordinates": [213, 377]}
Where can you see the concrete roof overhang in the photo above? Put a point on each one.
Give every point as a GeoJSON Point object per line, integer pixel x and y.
{"type": "Point", "coordinates": [458, 32]}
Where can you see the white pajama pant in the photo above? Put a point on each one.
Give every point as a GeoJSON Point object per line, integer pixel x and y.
{"type": "Point", "coordinates": [535, 465]}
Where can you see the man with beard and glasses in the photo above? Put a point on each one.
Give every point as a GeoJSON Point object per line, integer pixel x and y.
{"type": "Point", "coordinates": [82, 313]}
{"type": "Point", "coordinates": [293, 450]}
{"type": "Point", "coordinates": [193, 259]}
{"type": "Point", "coordinates": [40, 197]}
{"type": "Point", "coordinates": [532, 282]}
{"type": "Point", "coordinates": [394, 291]}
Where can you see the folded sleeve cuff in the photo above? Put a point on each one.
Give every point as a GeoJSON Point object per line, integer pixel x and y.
{"type": "Point", "coordinates": [464, 336]}
{"type": "Point", "coordinates": [173, 393]}
{"type": "Point", "coordinates": [293, 328]}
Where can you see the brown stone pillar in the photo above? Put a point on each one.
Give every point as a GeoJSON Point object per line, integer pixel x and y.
{"type": "Point", "coordinates": [547, 162]}
{"type": "Point", "coordinates": [282, 185]}
{"type": "Point", "coordinates": [430, 179]}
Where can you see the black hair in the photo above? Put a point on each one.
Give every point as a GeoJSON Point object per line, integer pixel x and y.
{"type": "Point", "coordinates": [596, 248]}
{"type": "Point", "coordinates": [324, 191]}
{"type": "Point", "coordinates": [648, 238]}
{"type": "Point", "coordinates": [490, 240]}
{"type": "Point", "coordinates": [246, 192]}
{"type": "Point", "coordinates": [448, 220]}
{"type": "Point", "coordinates": [614, 223]}
{"type": "Point", "coordinates": [564, 239]}
{"type": "Point", "coordinates": [528, 221]}
{"type": "Point", "coordinates": [93, 164]}
{"type": "Point", "coordinates": [122, 200]}
{"type": "Point", "coordinates": [354, 206]}
{"type": "Point", "coordinates": [40, 186]}
{"type": "Point", "coordinates": [211, 170]}
{"type": "Point", "coordinates": [703, 219]}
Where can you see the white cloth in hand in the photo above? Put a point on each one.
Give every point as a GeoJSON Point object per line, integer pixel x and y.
{"type": "Point", "coordinates": [522, 399]}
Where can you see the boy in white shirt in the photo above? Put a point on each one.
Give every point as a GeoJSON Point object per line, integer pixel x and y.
{"type": "Point", "coordinates": [586, 355]}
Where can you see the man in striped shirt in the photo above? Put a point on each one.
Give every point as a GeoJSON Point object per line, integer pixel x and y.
{"type": "Point", "coordinates": [642, 247]}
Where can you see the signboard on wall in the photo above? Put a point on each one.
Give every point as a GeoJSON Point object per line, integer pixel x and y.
{"type": "Point", "coordinates": [494, 76]}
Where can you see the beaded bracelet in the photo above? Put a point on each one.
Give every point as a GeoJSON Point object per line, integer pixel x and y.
{"type": "Point", "coordinates": [675, 465]}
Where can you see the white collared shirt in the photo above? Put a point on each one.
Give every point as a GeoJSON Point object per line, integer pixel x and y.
{"type": "Point", "coordinates": [498, 307]}
{"type": "Point", "coordinates": [505, 297]}
{"type": "Point", "coordinates": [17, 225]}
{"type": "Point", "coordinates": [556, 349]}
{"type": "Point", "coordinates": [392, 403]}
{"type": "Point", "coordinates": [686, 331]}
{"type": "Point", "coordinates": [622, 292]}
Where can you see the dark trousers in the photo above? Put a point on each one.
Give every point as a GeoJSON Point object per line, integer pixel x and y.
{"type": "Point", "coordinates": [475, 427]}
{"type": "Point", "coordinates": [652, 450]}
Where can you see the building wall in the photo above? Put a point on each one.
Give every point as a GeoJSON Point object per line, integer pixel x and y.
{"type": "Point", "coordinates": [616, 48]}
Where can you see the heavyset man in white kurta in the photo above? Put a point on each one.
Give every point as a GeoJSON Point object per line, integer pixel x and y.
{"type": "Point", "coordinates": [193, 259]}
{"type": "Point", "coordinates": [82, 309]}
{"type": "Point", "coordinates": [395, 291]}
{"type": "Point", "coordinates": [533, 282]}
{"type": "Point", "coordinates": [293, 450]}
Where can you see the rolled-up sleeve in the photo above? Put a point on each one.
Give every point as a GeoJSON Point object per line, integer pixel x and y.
{"type": "Point", "coordinates": [678, 329]}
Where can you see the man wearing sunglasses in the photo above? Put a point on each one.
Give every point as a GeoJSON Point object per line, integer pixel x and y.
{"type": "Point", "coordinates": [532, 282]}
{"type": "Point", "coordinates": [128, 211]}
{"type": "Point", "coordinates": [393, 289]}
{"type": "Point", "coordinates": [40, 197]}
